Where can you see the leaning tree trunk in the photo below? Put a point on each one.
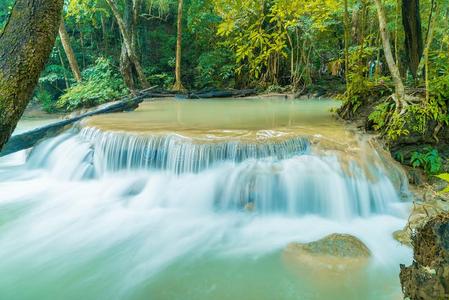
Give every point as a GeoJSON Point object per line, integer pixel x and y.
{"type": "Point", "coordinates": [129, 55]}
{"type": "Point", "coordinates": [25, 45]}
{"type": "Point", "coordinates": [65, 40]}
{"type": "Point", "coordinates": [394, 70]}
{"type": "Point", "coordinates": [411, 22]}
{"type": "Point", "coordinates": [178, 83]}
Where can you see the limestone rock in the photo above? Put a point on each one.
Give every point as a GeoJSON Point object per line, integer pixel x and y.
{"type": "Point", "coordinates": [428, 276]}
{"type": "Point", "coordinates": [332, 255]}
{"type": "Point", "coordinates": [403, 237]}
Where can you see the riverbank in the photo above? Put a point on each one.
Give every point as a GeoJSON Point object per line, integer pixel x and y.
{"type": "Point", "coordinates": [421, 145]}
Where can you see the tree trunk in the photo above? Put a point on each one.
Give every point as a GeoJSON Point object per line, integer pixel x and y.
{"type": "Point", "coordinates": [346, 39]}
{"type": "Point", "coordinates": [66, 80]}
{"type": "Point", "coordinates": [394, 70]}
{"type": "Point", "coordinates": [130, 64]}
{"type": "Point", "coordinates": [178, 83]}
{"type": "Point", "coordinates": [432, 21]}
{"type": "Point", "coordinates": [127, 68]}
{"type": "Point", "coordinates": [25, 45]}
{"type": "Point", "coordinates": [65, 40]}
{"type": "Point", "coordinates": [411, 22]}
{"type": "Point", "coordinates": [355, 22]}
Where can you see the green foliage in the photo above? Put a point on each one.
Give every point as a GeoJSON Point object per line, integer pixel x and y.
{"type": "Point", "coordinates": [380, 115]}
{"type": "Point", "coordinates": [46, 100]}
{"type": "Point", "coordinates": [445, 177]}
{"type": "Point", "coordinates": [5, 9]}
{"type": "Point", "coordinates": [100, 84]}
{"type": "Point", "coordinates": [360, 87]}
{"type": "Point", "coordinates": [260, 33]}
{"type": "Point", "coordinates": [415, 118]}
{"type": "Point", "coordinates": [388, 121]}
{"type": "Point", "coordinates": [161, 79]}
{"type": "Point", "coordinates": [430, 160]}
{"type": "Point", "coordinates": [215, 69]}
{"type": "Point", "coordinates": [52, 75]}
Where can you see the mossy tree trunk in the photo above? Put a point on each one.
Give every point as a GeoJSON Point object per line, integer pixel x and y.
{"type": "Point", "coordinates": [130, 66]}
{"type": "Point", "coordinates": [65, 40]}
{"type": "Point", "coordinates": [25, 45]}
{"type": "Point", "coordinates": [178, 83]}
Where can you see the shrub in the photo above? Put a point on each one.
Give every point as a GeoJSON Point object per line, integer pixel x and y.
{"type": "Point", "coordinates": [46, 100]}
{"type": "Point", "coordinates": [101, 83]}
{"type": "Point", "coordinates": [161, 79]}
{"type": "Point", "coordinates": [430, 160]}
{"type": "Point", "coordinates": [215, 67]}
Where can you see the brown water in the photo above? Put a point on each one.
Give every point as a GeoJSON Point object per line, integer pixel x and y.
{"type": "Point", "coordinates": [251, 119]}
{"type": "Point", "coordinates": [30, 123]}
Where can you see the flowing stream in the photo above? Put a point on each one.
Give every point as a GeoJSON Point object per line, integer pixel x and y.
{"type": "Point", "coordinates": [198, 200]}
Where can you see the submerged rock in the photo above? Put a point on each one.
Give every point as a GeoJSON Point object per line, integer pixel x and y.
{"type": "Point", "coordinates": [428, 276]}
{"type": "Point", "coordinates": [332, 255]}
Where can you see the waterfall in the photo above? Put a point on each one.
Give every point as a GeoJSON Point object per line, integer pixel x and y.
{"type": "Point", "coordinates": [96, 213]}
{"type": "Point", "coordinates": [279, 176]}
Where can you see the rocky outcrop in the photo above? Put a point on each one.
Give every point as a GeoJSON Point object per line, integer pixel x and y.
{"type": "Point", "coordinates": [429, 202]}
{"type": "Point", "coordinates": [330, 256]}
{"type": "Point", "coordinates": [428, 276]}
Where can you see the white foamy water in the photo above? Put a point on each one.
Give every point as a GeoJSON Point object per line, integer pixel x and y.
{"type": "Point", "coordinates": [94, 215]}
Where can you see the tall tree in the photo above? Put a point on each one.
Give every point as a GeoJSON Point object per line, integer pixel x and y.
{"type": "Point", "coordinates": [130, 66]}
{"type": "Point", "coordinates": [434, 12]}
{"type": "Point", "coordinates": [411, 21]}
{"type": "Point", "coordinates": [346, 38]}
{"type": "Point", "coordinates": [394, 70]}
{"type": "Point", "coordinates": [178, 83]}
{"type": "Point", "coordinates": [65, 40]}
{"type": "Point", "coordinates": [25, 45]}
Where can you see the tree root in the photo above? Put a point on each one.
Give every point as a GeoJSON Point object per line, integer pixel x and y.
{"type": "Point", "coordinates": [436, 131]}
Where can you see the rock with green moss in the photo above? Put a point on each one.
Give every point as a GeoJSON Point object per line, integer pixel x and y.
{"type": "Point", "coordinates": [330, 256]}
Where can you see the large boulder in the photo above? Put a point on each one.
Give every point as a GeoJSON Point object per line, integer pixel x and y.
{"type": "Point", "coordinates": [331, 256]}
{"type": "Point", "coordinates": [428, 276]}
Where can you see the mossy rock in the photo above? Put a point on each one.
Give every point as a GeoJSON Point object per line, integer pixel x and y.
{"type": "Point", "coordinates": [330, 256]}
{"type": "Point", "coordinates": [338, 245]}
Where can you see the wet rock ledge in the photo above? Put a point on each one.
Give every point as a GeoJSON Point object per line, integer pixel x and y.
{"type": "Point", "coordinates": [428, 276]}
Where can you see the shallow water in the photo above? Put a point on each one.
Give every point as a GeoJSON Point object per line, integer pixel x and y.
{"type": "Point", "coordinates": [246, 119]}
{"type": "Point", "coordinates": [96, 215]}
{"type": "Point", "coordinates": [29, 123]}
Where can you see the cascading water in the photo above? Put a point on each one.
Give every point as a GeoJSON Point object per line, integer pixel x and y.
{"type": "Point", "coordinates": [97, 213]}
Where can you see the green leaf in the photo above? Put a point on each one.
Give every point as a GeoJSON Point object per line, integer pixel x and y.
{"type": "Point", "coordinates": [444, 176]}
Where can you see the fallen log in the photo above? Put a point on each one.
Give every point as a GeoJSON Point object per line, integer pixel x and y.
{"type": "Point", "coordinates": [30, 138]}
{"type": "Point", "coordinates": [221, 94]}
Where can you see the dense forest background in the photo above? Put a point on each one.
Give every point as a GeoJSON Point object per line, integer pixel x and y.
{"type": "Point", "coordinates": [107, 48]}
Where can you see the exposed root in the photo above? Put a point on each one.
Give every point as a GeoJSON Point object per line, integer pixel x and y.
{"type": "Point", "coordinates": [436, 131]}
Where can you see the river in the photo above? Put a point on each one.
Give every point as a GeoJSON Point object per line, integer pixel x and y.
{"type": "Point", "coordinates": [198, 200]}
